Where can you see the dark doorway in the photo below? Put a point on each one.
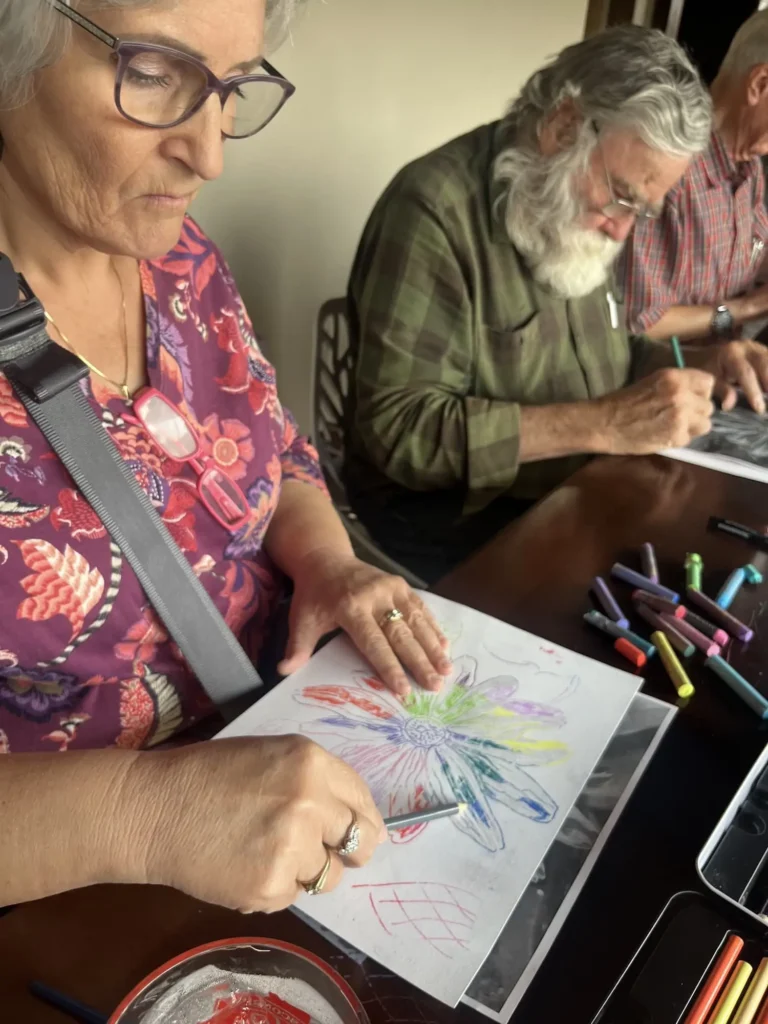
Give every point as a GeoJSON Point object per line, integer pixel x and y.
{"type": "Point", "coordinates": [707, 38]}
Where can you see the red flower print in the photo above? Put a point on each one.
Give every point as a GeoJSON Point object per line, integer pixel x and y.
{"type": "Point", "coordinates": [11, 409]}
{"type": "Point", "coordinates": [147, 281]}
{"type": "Point", "coordinates": [230, 444]}
{"type": "Point", "coordinates": [74, 511]}
{"type": "Point", "coordinates": [135, 446]}
{"type": "Point", "coordinates": [137, 714]}
{"type": "Point", "coordinates": [142, 639]}
{"type": "Point", "coordinates": [177, 517]}
{"type": "Point", "coordinates": [62, 583]}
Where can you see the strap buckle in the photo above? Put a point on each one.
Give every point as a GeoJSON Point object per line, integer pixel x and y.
{"type": "Point", "coordinates": [27, 355]}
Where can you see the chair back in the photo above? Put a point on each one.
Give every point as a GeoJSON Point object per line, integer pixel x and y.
{"type": "Point", "coordinates": [333, 368]}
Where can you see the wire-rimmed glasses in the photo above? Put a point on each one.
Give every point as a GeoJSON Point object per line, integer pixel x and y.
{"type": "Point", "coordinates": [161, 87]}
{"type": "Point", "coordinates": [619, 206]}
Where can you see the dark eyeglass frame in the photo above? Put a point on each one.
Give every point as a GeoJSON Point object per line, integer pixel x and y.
{"type": "Point", "coordinates": [628, 207]}
{"type": "Point", "coordinates": [125, 51]}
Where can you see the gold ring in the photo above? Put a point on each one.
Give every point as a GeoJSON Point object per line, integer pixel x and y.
{"type": "Point", "coordinates": [316, 886]}
{"type": "Point", "coordinates": [395, 615]}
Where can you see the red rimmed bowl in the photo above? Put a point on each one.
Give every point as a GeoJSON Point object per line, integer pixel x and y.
{"type": "Point", "coordinates": [241, 957]}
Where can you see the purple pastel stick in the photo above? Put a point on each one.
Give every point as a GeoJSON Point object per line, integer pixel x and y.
{"type": "Point", "coordinates": [636, 579]}
{"type": "Point", "coordinates": [608, 602]}
{"type": "Point", "coordinates": [679, 642]}
{"type": "Point", "coordinates": [650, 568]}
{"type": "Point", "coordinates": [720, 615]}
{"type": "Point", "coordinates": [706, 645]}
{"type": "Point", "coordinates": [659, 604]}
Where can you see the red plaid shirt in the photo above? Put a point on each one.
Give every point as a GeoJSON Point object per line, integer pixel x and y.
{"type": "Point", "coordinates": [707, 245]}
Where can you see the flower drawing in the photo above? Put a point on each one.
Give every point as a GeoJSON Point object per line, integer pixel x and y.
{"type": "Point", "coordinates": [471, 743]}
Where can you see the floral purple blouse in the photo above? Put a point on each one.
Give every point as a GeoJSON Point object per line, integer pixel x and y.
{"type": "Point", "coordinates": [84, 661]}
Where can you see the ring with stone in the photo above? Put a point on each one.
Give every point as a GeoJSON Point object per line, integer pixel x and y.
{"type": "Point", "coordinates": [351, 840]}
{"type": "Point", "coordinates": [316, 886]}
{"type": "Point", "coordinates": [394, 615]}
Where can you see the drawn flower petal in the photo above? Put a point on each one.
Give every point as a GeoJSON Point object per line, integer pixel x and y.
{"type": "Point", "coordinates": [477, 820]}
{"type": "Point", "coordinates": [464, 673]}
{"type": "Point", "coordinates": [359, 703]}
{"type": "Point", "coordinates": [502, 778]}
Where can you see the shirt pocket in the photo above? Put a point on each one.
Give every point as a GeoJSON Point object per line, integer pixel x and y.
{"type": "Point", "coordinates": [531, 363]}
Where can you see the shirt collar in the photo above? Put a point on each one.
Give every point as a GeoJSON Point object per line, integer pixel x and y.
{"type": "Point", "coordinates": [503, 137]}
{"type": "Point", "coordinates": [718, 163]}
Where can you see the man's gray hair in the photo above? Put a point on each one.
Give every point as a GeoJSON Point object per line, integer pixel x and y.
{"type": "Point", "coordinates": [33, 35]}
{"type": "Point", "coordinates": [749, 47]}
{"type": "Point", "coordinates": [628, 78]}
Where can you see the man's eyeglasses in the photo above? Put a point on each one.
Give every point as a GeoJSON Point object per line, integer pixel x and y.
{"type": "Point", "coordinates": [618, 206]}
{"type": "Point", "coordinates": [175, 437]}
{"type": "Point", "coordinates": [160, 87]}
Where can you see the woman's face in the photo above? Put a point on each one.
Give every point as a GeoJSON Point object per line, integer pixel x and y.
{"type": "Point", "coordinates": [105, 182]}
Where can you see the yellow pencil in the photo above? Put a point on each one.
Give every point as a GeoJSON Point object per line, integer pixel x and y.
{"type": "Point", "coordinates": [753, 996]}
{"type": "Point", "coordinates": [675, 670]}
{"type": "Point", "coordinates": [726, 1004]}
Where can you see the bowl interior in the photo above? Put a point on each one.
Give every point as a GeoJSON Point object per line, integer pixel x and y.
{"type": "Point", "coordinates": [245, 957]}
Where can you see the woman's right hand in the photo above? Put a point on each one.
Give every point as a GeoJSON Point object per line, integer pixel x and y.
{"type": "Point", "coordinates": [244, 822]}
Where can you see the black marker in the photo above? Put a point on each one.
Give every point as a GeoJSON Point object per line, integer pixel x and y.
{"type": "Point", "coordinates": [757, 540]}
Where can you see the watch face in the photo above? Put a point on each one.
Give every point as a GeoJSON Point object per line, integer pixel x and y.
{"type": "Point", "coordinates": [722, 322]}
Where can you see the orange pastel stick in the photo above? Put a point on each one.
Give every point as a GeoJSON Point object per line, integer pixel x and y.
{"type": "Point", "coordinates": [762, 1017]}
{"type": "Point", "coordinates": [715, 981]}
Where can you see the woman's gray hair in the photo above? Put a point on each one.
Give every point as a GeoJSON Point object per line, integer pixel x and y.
{"type": "Point", "coordinates": [749, 46]}
{"type": "Point", "coordinates": [33, 35]}
{"type": "Point", "coordinates": [627, 78]}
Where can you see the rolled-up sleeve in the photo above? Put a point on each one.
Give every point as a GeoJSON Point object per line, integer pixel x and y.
{"type": "Point", "coordinates": [651, 268]}
{"type": "Point", "coordinates": [415, 414]}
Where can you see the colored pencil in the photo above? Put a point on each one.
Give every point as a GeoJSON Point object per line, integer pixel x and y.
{"type": "Point", "coordinates": [417, 817]}
{"type": "Point", "coordinates": [753, 996]}
{"type": "Point", "coordinates": [677, 353]}
{"type": "Point", "coordinates": [726, 1004]}
{"type": "Point", "coordinates": [715, 981]}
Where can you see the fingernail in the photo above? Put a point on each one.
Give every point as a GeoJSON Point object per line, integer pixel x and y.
{"type": "Point", "coordinates": [446, 667]}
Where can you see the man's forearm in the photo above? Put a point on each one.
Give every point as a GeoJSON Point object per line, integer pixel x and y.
{"type": "Point", "coordinates": [62, 824]}
{"type": "Point", "coordinates": [690, 322]}
{"type": "Point", "coordinates": [305, 522]}
{"type": "Point", "coordinates": [556, 431]}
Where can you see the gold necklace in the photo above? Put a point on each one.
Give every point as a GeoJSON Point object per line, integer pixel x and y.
{"type": "Point", "coordinates": [123, 388]}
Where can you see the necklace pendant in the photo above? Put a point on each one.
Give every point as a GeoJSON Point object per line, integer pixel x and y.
{"type": "Point", "coordinates": [125, 391]}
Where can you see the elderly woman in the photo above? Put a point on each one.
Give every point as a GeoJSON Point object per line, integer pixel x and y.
{"type": "Point", "coordinates": [112, 116]}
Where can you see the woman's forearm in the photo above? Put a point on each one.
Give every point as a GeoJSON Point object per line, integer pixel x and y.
{"type": "Point", "coordinates": [305, 523]}
{"type": "Point", "coordinates": [67, 820]}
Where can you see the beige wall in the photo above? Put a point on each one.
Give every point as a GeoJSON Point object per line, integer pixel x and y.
{"type": "Point", "coordinates": [378, 83]}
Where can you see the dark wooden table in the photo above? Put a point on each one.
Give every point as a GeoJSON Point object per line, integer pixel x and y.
{"type": "Point", "coordinates": [96, 944]}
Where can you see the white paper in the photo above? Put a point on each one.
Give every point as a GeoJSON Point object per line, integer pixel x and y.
{"type": "Point", "coordinates": [737, 444]}
{"type": "Point", "coordinates": [515, 733]}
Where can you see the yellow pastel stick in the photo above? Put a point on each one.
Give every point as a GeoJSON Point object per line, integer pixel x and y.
{"type": "Point", "coordinates": [726, 1004]}
{"type": "Point", "coordinates": [675, 670]}
{"type": "Point", "coordinates": [753, 996]}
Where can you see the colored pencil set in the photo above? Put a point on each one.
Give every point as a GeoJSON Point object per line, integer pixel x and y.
{"type": "Point", "coordinates": [735, 990]}
{"type": "Point", "coordinates": [676, 631]}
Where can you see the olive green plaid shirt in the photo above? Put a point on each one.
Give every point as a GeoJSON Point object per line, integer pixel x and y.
{"type": "Point", "coordinates": [452, 336]}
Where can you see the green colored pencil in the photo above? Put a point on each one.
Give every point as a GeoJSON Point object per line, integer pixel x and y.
{"type": "Point", "coordinates": [677, 352]}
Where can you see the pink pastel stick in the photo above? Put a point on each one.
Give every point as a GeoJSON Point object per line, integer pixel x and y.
{"type": "Point", "coordinates": [704, 643]}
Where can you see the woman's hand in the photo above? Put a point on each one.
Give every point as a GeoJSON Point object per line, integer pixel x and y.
{"type": "Point", "coordinates": [244, 822]}
{"type": "Point", "coordinates": [333, 590]}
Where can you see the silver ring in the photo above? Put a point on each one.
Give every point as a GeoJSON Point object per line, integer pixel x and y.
{"type": "Point", "coordinates": [316, 886]}
{"type": "Point", "coordinates": [351, 840]}
{"type": "Point", "coordinates": [394, 615]}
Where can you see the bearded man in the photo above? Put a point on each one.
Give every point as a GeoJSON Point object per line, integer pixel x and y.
{"type": "Point", "coordinates": [491, 355]}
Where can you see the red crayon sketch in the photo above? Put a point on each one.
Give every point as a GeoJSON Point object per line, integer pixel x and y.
{"type": "Point", "coordinates": [441, 915]}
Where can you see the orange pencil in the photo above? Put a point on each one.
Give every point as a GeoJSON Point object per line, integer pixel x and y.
{"type": "Point", "coordinates": [714, 983]}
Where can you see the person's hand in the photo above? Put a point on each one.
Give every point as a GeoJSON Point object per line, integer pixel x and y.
{"type": "Point", "coordinates": [342, 591]}
{"type": "Point", "coordinates": [667, 409]}
{"type": "Point", "coordinates": [737, 365]}
{"type": "Point", "coordinates": [243, 823]}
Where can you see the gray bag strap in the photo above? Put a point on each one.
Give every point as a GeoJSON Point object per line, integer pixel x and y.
{"type": "Point", "coordinates": [46, 379]}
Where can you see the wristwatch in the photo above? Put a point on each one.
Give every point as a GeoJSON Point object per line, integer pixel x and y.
{"type": "Point", "coordinates": [722, 322]}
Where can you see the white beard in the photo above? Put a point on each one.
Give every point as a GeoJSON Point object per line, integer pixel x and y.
{"type": "Point", "coordinates": [577, 265]}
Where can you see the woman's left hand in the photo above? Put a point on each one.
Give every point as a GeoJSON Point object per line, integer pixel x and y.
{"type": "Point", "coordinates": [333, 590]}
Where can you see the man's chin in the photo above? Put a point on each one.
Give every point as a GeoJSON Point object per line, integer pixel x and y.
{"type": "Point", "coordinates": [572, 279]}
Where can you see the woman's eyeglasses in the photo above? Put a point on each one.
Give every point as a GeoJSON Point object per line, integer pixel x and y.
{"type": "Point", "coordinates": [160, 87]}
{"type": "Point", "coordinates": [175, 437]}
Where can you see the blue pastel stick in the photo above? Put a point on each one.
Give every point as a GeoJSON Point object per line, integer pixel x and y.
{"type": "Point", "coordinates": [756, 701]}
{"type": "Point", "coordinates": [754, 576]}
{"type": "Point", "coordinates": [608, 602]}
{"type": "Point", "coordinates": [636, 579]}
{"type": "Point", "coordinates": [730, 588]}
{"type": "Point", "coordinates": [612, 628]}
